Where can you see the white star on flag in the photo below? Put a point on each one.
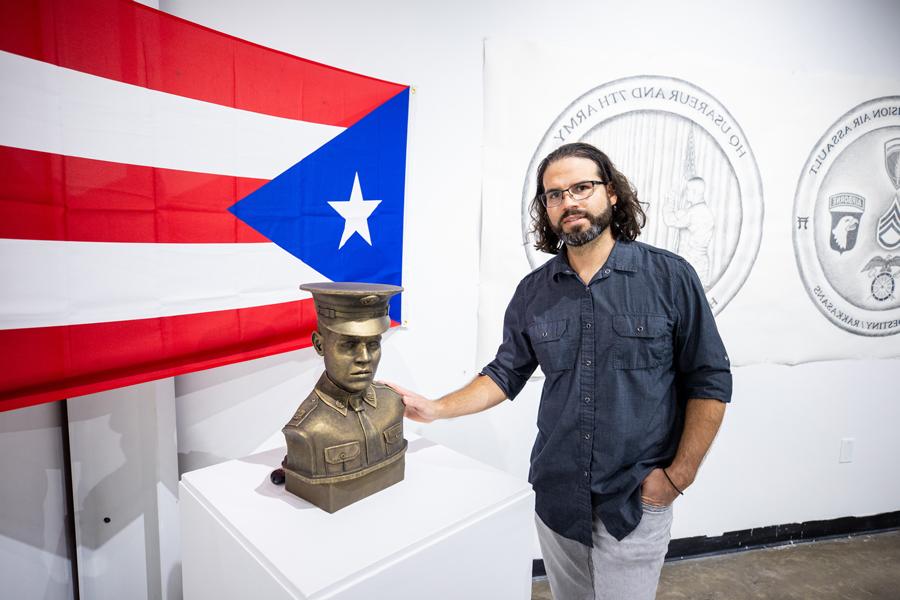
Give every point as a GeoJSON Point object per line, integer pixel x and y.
{"type": "Point", "coordinates": [356, 213]}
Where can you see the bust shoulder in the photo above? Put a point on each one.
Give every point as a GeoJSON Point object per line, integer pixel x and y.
{"type": "Point", "coordinates": [306, 408]}
{"type": "Point", "coordinates": [385, 391]}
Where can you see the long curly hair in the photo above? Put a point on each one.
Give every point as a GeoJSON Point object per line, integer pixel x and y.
{"type": "Point", "coordinates": [628, 217]}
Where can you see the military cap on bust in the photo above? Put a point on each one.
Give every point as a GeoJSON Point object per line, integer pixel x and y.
{"type": "Point", "coordinates": [357, 309]}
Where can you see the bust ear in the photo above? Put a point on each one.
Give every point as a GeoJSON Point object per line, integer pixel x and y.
{"type": "Point", "coordinates": [318, 343]}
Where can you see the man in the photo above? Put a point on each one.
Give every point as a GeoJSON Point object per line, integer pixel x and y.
{"type": "Point", "coordinates": [636, 378]}
{"type": "Point", "coordinates": [345, 441]}
{"type": "Point", "coordinates": [696, 225]}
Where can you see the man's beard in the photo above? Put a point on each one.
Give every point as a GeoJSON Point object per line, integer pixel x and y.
{"type": "Point", "coordinates": [598, 223]}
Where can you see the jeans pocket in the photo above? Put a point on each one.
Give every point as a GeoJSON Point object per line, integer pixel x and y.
{"type": "Point", "coordinates": [653, 508]}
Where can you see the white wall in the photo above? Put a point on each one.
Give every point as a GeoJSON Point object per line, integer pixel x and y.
{"type": "Point", "coordinates": [34, 552]}
{"type": "Point", "coordinates": [123, 450]}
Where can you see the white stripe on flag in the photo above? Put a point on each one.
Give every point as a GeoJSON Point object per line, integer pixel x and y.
{"type": "Point", "coordinates": [49, 283]}
{"type": "Point", "coordinates": [53, 109]}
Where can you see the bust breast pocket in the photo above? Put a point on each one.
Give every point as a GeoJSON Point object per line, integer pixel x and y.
{"type": "Point", "coordinates": [393, 438]}
{"type": "Point", "coordinates": [342, 458]}
{"type": "Point", "coordinates": [642, 341]}
{"type": "Point", "coordinates": [554, 346]}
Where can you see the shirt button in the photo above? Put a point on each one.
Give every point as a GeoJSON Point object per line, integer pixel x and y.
{"type": "Point", "coordinates": [606, 271]}
{"type": "Point", "coordinates": [587, 399]}
{"type": "Point", "coordinates": [640, 328]}
{"type": "Point", "coordinates": [587, 473]}
{"type": "Point", "coordinates": [587, 363]}
{"type": "Point", "coordinates": [587, 436]}
{"type": "Point", "coordinates": [588, 325]}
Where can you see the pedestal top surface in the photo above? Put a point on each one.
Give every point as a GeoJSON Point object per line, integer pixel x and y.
{"type": "Point", "coordinates": [310, 550]}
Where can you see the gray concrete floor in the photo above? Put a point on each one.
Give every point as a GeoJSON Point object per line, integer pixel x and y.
{"type": "Point", "coordinates": [861, 567]}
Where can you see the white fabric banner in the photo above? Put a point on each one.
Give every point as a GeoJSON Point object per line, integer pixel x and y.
{"type": "Point", "coordinates": [782, 189]}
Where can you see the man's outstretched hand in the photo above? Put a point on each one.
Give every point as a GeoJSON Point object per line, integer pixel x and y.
{"type": "Point", "coordinates": [480, 394]}
{"type": "Point", "coordinates": [418, 408]}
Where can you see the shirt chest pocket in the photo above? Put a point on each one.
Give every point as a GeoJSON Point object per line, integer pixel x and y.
{"type": "Point", "coordinates": [642, 341]}
{"type": "Point", "coordinates": [554, 346]}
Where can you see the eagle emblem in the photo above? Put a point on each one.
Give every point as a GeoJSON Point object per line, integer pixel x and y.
{"type": "Point", "coordinates": [846, 211]}
{"type": "Point", "coordinates": [881, 270]}
{"type": "Point", "coordinates": [840, 234]}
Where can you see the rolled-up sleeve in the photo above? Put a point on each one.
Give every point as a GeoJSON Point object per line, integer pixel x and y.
{"type": "Point", "coordinates": [702, 364]}
{"type": "Point", "coordinates": [515, 360]}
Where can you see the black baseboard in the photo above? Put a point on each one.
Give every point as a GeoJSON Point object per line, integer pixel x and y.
{"type": "Point", "coordinates": [773, 535]}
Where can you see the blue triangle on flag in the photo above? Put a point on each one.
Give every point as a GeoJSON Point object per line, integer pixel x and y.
{"type": "Point", "coordinates": [292, 210]}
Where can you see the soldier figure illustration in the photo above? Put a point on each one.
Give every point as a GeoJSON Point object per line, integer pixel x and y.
{"type": "Point", "coordinates": [345, 441]}
{"type": "Point", "coordinates": [696, 224]}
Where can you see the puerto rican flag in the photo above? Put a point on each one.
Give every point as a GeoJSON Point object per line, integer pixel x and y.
{"type": "Point", "coordinates": [165, 190]}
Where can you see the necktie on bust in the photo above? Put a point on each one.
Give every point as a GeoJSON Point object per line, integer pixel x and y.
{"type": "Point", "coordinates": [374, 447]}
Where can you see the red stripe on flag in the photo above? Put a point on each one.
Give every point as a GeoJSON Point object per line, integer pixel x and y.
{"type": "Point", "coordinates": [55, 197]}
{"type": "Point", "coordinates": [132, 43]}
{"type": "Point", "coordinates": [45, 364]}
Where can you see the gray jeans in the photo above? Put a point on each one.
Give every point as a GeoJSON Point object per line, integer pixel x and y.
{"type": "Point", "coordinates": [611, 570]}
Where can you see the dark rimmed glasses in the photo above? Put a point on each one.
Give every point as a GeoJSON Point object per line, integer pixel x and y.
{"type": "Point", "coordinates": [578, 191]}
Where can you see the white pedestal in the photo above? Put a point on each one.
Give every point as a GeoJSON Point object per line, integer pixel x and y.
{"type": "Point", "coordinates": [454, 528]}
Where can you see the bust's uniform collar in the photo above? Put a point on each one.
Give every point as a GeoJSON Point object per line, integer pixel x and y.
{"type": "Point", "coordinates": [338, 398]}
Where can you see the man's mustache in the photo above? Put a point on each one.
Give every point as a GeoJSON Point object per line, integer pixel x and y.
{"type": "Point", "coordinates": [572, 211]}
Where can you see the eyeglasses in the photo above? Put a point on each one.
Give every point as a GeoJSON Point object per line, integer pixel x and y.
{"type": "Point", "coordinates": [579, 191]}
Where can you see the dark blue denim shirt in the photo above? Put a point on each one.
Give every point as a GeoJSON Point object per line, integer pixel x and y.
{"type": "Point", "coordinates": [621, 356]}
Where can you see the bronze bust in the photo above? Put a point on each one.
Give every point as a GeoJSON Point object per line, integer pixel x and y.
{"type": "Point", "coordinates": [345, 441]}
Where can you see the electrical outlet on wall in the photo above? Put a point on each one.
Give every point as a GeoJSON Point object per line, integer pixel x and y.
{"type": "Point", "coordinates": [846, 450]}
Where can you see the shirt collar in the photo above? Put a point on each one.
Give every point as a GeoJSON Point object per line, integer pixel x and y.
{"type": "Point", "coordinates": [338, 398]}
{"type": "Point", "coordinates": [621, 258]}
{"type": "Point", "coordinates": [559, 265]}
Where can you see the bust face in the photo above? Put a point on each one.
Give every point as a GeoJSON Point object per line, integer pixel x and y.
{"type": "Point", "coordinates": [350, 361]}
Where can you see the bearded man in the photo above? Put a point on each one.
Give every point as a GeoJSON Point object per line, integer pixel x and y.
{"type": "Point", "coordinates": [636, 380]}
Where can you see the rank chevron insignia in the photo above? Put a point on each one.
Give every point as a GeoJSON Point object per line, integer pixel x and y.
{"type": "Point", "coordinates": [889, 226]}
{"type": "Point", "coordinates": [302, 210]}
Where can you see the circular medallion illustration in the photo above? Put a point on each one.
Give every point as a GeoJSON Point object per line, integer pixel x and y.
{"type": "Point", "coordinates": [846, 225]}
{"type": "Point", "coordinates": [691, 164]}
